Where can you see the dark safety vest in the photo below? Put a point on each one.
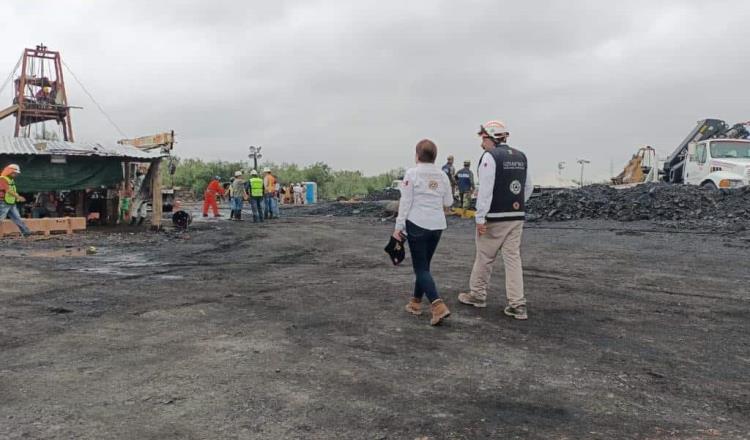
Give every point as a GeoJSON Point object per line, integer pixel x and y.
{"type": "Point", "coordinates": [464, 178]}
{"type": "Point", "coordinates": [9, 199]}
{"type": "Point", "coordinates": [508, 195]}
{"type": "Point", "coordinates": [256, 187]}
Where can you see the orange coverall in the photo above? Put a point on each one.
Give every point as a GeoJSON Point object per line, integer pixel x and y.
{"type": "Point", "coordinates": [209, 197]}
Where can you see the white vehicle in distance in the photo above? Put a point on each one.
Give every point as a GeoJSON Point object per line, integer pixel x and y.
{"type": "Point", "coordinates": [718, 163]}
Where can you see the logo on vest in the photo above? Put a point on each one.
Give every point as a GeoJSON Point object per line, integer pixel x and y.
{"type": "Point", "coordinates": [516, 205]}
{"type": "Point", "coordinates": [433, 185]}
{"type": "Point", "coordinates": [515, 187]}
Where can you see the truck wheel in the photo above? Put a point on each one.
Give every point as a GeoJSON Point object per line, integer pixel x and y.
{"type": "Point", "coordinates": [709, 185]}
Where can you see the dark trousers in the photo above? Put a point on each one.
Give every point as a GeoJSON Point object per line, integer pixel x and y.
{"type": "Point", "coordinates": [256, 204]}
{"type": "Point", "coordinates": [422, 245]}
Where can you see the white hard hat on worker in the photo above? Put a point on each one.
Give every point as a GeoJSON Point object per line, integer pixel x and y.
{"type": "Point", "coordinates": [11, 169]}
{"type": "Point", "coordinates": [496, 130]}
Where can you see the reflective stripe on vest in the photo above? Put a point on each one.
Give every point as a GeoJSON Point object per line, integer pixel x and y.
{"type": "Point", "coordinates": [9, 199]}
{"type": "Point", "coordinates": [256, 187]}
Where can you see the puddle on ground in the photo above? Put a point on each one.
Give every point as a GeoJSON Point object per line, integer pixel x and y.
{"type": "Point", "coordinates": [102, 261]}
{"type": "Point", "coordinates": [170, 277]}
{"type": "Point", "coordinates": [105, 270]}
{"type": "Point", "coordinates": [47, 253]}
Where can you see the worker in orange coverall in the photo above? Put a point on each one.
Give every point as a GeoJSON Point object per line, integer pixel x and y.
{"type": "Point", "coordinates": [213, 189]}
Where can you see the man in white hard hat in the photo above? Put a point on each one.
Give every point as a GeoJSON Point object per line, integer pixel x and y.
{"type": "Point", "coordinates": [9, 197]}
{"type": "Point", "coordinates": [504, 188]}
{"type": "Point", "coordinates": [269, 193]}
{"type": "Point", "coordinates": [256, 196]}
{"type": "Point", "coordinates": [238, 195]}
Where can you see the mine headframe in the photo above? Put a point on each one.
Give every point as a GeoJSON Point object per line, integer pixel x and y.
{"type": "Point", "coordinates": [39, 93]}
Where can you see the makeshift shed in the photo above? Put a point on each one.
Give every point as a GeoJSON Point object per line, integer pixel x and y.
{"type": "Point", "coordinates": [73, 166]}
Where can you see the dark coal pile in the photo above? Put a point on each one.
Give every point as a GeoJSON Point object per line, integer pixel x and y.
{"type": "Point", "coordinates": [345, 209]}
{"type": "Point", "coordinates": [386, 194]}
{"type": "Point", "coordinates": [687, 205]}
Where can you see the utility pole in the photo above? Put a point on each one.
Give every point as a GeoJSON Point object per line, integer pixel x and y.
{"type": "Point", "coordinates": [255, 155]}
{"type": "Point", "coordinates": [582, 162]}
{"type": "Point", "coordinates": [560, 168]}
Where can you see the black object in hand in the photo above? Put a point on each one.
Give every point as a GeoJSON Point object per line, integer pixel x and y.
{"type": "Point", "coordinates": [395, 250]}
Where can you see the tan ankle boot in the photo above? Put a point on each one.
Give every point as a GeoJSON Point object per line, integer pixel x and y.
{"type": "Point", "coordinates": [415, 306]}
{"type": "Point", "coordinates": [439, 312]}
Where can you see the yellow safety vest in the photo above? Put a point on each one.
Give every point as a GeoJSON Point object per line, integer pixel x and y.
{"type": "Point", "coordinates": [256, 187]}
{"type": "Point", "coordinates": [9, 199]}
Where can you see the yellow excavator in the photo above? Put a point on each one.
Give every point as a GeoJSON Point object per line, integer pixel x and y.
{"type": "Point", "coordinates": [641, 168]}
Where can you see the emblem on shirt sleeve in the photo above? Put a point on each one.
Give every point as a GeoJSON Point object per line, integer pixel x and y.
{"type": "Point", "coordinates": [515, 187]}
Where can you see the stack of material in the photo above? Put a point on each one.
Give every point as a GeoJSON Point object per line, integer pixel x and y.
{"type": "Point", "coordinates": [683, 205]}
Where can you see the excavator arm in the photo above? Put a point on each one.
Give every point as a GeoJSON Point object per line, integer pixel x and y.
{"type": "Point", "coordinates": [4, 113]}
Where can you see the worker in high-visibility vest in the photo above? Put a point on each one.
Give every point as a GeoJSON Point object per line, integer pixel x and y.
{"type": "Point", "coordinates": [213, 189]}
{"type": "Point", "coordinates": [9, 197]}
{"type": "Point", "coordinates": [256, 196]}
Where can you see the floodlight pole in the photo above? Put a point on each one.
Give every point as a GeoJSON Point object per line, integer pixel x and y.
{"type": "Point", "coordinates": [582, 162]}
{"type": "Point", "coordinates": [255, 155]}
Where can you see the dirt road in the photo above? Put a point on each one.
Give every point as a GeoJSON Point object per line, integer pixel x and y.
{"type": "Point", "coordinates": [295, 330]}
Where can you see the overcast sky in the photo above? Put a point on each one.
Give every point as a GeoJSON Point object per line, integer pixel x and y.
{"type": "Point", "coordinates": [357, 84]}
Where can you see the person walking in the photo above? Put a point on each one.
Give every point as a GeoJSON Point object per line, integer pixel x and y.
{"type": "Point", "coordinates": [256, 196]}
{"type": "Point", "coordinates": [269, 193]}
{"type": "Point", "coordinates": [238, 195]}
{"type": "Point", "coordinates": [277, 196]}
{"type": "Point", "coordinates": [425, 193]}
{"type": "Point", "coordinates": [213, 189]}
{"type": "Point", "coordinates": [504, 188]}
{"type": "Point", "coordinates": [9, 197]}
{"type": "Point", "coordinates": [450, 171]}
{"type": "Point", "coordinates": [465, 182]}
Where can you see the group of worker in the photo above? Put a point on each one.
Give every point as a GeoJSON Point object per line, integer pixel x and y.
{"type": "Point", "coordinates": [462, 182]}
{"type": "Point", "coordinates": [504, 188]}
{"type": "Point", "coordinates": [261, 192]}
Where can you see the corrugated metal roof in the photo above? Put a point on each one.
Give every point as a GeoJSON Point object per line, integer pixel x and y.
{"type": "Point", "coordinates": [27, 146]}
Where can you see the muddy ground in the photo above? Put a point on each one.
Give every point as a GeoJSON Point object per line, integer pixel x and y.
{"type": "Point", "coordinates": [295, 330]}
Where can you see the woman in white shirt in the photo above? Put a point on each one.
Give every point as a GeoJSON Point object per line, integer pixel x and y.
{"type": "Point", "coordinates": [425, 193]}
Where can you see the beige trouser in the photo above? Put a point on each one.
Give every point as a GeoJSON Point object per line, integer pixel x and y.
{"type": "Point", "coordinates": [505, 236]}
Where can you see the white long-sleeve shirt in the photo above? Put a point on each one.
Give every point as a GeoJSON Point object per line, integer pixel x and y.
{"type": "Point", "coordinates": [487, 185]}
{"type": "Point", "coordinates": [425, 191]}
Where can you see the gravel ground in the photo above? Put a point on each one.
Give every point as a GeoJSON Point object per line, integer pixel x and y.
{"type": "Point", "coordinates": [295, 330]}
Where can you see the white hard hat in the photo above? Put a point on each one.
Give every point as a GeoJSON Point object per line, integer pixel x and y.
{"type": "Point", "coordinates": [494, 129]}
{"type": "Point", "coordinates": [253, 173]}
{"type": "Point", "coordinates": [266, 170]}
{"type": "Point", "coordinates": [237, 173]}
{"type": "Point", "coordinates": [15, 168]}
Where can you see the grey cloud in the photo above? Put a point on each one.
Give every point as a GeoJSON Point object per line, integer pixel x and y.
{"type": "Point", "coordinates": [357, 84]}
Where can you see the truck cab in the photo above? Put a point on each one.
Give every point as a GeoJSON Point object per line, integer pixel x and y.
{"type": "Point", "coordinates": [718, 163]}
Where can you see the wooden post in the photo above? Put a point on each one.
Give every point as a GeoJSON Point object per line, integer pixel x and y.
{"type": "Point", "coordinates": [156, 199]}
{"type": "Point", "coordinates": [126, 181]}
{"type": "Point", "coordinates": [81, 203]}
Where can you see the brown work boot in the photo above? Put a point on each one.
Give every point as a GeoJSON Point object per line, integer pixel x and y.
{"type": "Point", "coordinates": [415, 306]}
{"type": "Point", "coordinates": [471, 300]}
{"type": "Point", "coordinates": [439, 312]}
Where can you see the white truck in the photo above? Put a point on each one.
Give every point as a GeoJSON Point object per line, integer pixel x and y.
{"type": "Point", "coordinates": [718, 163]}
{"type": "Point", "coordinates": [714, 155]}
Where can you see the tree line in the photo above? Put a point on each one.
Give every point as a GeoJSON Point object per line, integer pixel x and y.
{"type": "Point", "coordinates": [194, 174]}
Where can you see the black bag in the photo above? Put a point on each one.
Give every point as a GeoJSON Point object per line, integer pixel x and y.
{"type": "Point", "coordinates": [395, 250]}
